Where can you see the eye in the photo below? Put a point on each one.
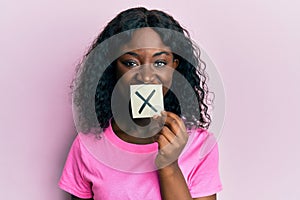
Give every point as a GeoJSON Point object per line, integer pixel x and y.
{"type": "Point", "coordinates": [130, 63]}
{"type": "Point", "coordinates": [160, 63]}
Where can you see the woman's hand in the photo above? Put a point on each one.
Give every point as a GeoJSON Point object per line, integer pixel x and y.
{"type": "Point", "coordinates": [171, 139]}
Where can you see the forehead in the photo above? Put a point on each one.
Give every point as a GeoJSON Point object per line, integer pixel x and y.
{"type": "Point", "coordinates": [145, 38]}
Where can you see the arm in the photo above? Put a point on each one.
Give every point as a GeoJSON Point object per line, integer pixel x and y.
{"type": "Point", "coordinates": [72, 180]}
{"type": "Point", "coordinates": [171, 178]}
{"type": "Point", "coordinates": [171, 140]}
{"type": "Point", "coordinates": [172, 183]}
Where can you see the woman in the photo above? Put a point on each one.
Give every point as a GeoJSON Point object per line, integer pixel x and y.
{"type": "Point", "coordinates": [151, 48]}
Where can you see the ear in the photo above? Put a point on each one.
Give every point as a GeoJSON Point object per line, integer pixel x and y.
{"type": "Point", "coordinates": [175, 63]}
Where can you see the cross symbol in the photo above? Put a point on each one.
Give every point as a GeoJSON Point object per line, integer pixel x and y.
{"type": "Point", "coordinates": [146, 101]}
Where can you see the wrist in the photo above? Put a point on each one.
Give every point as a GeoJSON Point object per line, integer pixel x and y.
{"type": "Point", "coordinates": [170, 169]}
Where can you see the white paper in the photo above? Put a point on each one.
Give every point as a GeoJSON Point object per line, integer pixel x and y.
{"type": "Point", "coordinates": [146, 100]}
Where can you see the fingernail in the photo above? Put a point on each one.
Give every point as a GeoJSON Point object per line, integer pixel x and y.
{"type": "Point", "coordinates": [155, 116]}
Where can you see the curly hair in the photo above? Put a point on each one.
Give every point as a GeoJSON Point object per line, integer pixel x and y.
{"type": "Point", "coordinates": [93, 101]}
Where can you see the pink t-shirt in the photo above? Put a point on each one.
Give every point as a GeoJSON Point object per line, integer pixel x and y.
{"type": "Point", "coordinates": [107, 168]}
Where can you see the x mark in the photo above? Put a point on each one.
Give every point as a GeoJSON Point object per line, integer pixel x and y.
{"type": "Point", "coordinates": [146, 101]}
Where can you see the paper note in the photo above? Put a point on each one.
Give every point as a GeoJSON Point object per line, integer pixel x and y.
{"type": "Point", "coordinates": [146, 100]}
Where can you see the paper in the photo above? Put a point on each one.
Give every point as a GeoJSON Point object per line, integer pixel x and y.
{"type": "Point", "coordinates": [146, 100]}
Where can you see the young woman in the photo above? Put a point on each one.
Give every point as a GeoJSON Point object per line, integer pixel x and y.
{"type": "Point", "coordinates": [166, 156]}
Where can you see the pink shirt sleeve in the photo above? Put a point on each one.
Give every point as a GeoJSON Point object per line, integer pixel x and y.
{"type": "Point", "coordinates": [204, 179]}
{"type": "Point", "coordinates": [72, 179]}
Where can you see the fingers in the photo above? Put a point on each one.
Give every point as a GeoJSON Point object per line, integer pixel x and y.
{"type": "Point", "coordinates": [174, 122]}
{"type": "Point", "coordinates": [171, 120]}
{"type": "Point", "coordinates": [162, 141]}
{"type": "Point", "coordinates": [171, 139]}
{"type": "Point", "coordinates": [168, 143]}
{"type": "Point", "coordinates": [172, 128]}
{"type": "Point", "coordinates": [165, 136]}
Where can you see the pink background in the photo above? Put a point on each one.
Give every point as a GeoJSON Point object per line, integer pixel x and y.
{"type": "Point", "coordinates": [255, 45]}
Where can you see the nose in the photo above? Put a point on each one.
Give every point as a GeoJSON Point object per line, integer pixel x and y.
{"type": "Point", "coordinates": [146, 74]}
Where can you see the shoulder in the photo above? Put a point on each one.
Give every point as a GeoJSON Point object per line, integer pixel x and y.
{"type": "Point", "coordinates": [202, 141]}
{"type": "Point", "coordinates": [200, 162]}
{"type": "Point", "coordinates": [77, 145]}
{"type": "Point", "coordinates": [201, 145]}
{"type": "Point", "coordinates": [80, 150]}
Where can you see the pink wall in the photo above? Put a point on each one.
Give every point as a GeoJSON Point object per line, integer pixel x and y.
{"type": "Point", "coordinates": [255, 45]}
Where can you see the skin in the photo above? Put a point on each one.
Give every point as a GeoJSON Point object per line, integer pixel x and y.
{"type": "Point", "coordinates": [154, 66]}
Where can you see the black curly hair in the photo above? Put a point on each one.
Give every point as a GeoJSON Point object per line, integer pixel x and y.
{"type": "Point", "coordinates": [92, 92]}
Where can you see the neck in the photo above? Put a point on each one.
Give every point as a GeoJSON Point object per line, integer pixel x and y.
{"type": "Point", "coordinates": [125, 136]}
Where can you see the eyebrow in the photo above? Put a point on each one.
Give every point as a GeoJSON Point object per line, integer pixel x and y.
{"type": "Point", "coordinates": [160, 53]}
{"type": "Point", "coordinates": [132, 54]}
{"type": "Point", "coordinates": [154, 55]}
